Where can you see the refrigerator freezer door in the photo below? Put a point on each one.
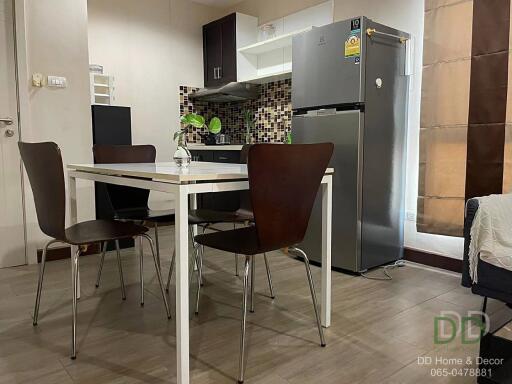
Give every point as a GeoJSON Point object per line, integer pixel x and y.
{"type": "Point", "coordinates": [326, 67]}
{"type": "Point", "coordinates": [344, 130]}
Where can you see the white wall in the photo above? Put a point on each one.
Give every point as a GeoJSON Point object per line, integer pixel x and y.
{"type": "Point", "coordinates": [151, 48]}
{"type": "Point", "coordinates": [406, 15]}
{"type": "Point", "coordinates": [56, 37]}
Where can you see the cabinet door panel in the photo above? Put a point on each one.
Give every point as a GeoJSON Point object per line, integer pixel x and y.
{"type": "Point", "coordinates": [212, 51]}
{"type": "Point", "coordinates": [204, 200]}
{"type": "Point", "coordinates": [227, 201]}
{"type": "Point", "coordinates": [223, 201]}
{"type": "Point", "coordinates": [228, 70]}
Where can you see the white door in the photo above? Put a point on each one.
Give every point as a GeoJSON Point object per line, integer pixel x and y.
{"type": "Point", "coordinates": [12, 233]}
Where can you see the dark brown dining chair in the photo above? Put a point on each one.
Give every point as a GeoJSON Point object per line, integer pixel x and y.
{"type": "Point", "coordinates": [130, 203]}
{"type": "Point", "coordinates": [43, 163]}
{"type": "Point", "coordinates": [283, 181]}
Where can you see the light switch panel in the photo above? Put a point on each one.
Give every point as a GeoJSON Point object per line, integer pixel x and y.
{"type": "Point", "coordinates": [57, 82]}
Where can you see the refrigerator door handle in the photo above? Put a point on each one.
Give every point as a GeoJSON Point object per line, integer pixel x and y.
{"type": "Point", "coordinates": [325, 112]}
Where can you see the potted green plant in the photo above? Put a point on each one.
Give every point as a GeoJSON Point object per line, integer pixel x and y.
{"type": "Point", "coordinates": [182, 155]}
{"type": "Point", "coordinates": [249, 122]}
{"type": "Point", "coordinates": [213, 128]}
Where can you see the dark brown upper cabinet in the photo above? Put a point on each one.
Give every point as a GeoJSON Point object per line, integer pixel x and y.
{"type": "Point", "coordinates": [219, 51]}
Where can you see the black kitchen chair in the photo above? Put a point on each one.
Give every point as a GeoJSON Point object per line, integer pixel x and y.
{"type": "Point", "coordinates": [43, 163]}
{"type": "Point", "coordinates": [129, 203]}
{"type": "Point", "coordinates": [284, 180]}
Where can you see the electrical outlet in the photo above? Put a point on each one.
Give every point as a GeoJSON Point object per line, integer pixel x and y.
{"type": "Point", "coordinates": [410, 216]}
{"type": "Point", "coordinates": [37, 80]}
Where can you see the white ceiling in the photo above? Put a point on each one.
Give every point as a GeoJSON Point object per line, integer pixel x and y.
{"type": "Point", "coordinates": [218, 3]}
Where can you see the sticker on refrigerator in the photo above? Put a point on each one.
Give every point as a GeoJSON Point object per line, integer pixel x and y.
{"type": "Point", "coordinates": [355, 24]}
{"type": "Point", "coordinates": [353, 46]}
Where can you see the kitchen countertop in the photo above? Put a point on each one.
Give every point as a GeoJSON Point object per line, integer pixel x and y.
{"type": "Point", "coordinates": [226, 147]}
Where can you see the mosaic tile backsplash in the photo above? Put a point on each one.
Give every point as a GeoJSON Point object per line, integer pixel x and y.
{"type": "Point", "coordinates": [272, 111]}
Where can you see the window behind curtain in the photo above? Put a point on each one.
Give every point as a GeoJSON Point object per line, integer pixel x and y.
{"type": "Point", "coordinates": [465, 138]}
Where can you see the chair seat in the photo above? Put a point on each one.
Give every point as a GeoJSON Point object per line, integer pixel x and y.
{"type": "Point", "coordinates": [95, 231]}
{"type": "Point", "coordinates": [160, 216]}
{"type": "Point", "coordinates": [210, 216]}
{"type": "Point", "coordinates": [242, 241]}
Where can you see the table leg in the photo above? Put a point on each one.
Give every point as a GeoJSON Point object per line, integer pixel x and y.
{"type": "Point", "coordinates": [182, 289]}
{"type": "Point", "coordinates": [326, 251]}
{"type": "Point", "coordinates": [73, 219]}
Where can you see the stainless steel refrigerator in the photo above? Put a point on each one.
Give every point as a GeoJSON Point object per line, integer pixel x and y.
{"type": "Point", "coordinates": [349, 87]}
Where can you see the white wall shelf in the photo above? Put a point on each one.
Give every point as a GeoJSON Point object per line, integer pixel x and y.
{"type": "Point", "coordinates": [262, 60]}
{"type": "Point", "coordinates": [271, 44]}
{"type": "Point", "coordinates": [102, 89]}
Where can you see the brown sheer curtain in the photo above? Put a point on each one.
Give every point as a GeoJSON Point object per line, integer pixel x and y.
{"type": "Point", "coordinates": [465, 142]}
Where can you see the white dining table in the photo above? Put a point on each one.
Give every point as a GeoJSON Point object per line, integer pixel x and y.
{"type": "Point", "coordinates": [185, 184]}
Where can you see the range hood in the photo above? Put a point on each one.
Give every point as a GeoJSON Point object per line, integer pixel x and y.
{"type": "Point", "coordinates": [226, 93]}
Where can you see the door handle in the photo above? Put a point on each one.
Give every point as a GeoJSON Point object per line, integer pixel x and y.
{"type": "Point", "coordinates": [6, 120]}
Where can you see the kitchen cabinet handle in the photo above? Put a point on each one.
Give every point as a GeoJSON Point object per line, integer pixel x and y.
{"type": "Point", "coordinates": [219, 72]}
{"type": "Point", "coordinates": [214, 73]}
{"type": "Point", "coordinates": [223, 158]}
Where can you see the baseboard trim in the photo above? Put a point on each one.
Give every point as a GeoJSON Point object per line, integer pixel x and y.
{"type": "Point", "coordinates": [60, 253]}
{"type": "Point", "coordinates": [433, 260]}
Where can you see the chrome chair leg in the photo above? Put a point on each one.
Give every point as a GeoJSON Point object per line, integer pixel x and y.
{"type": "Point", "coordinates": [157, 244]}
{"type": "Point", "coordinates": [141, 271]}
{"type": "Point", "coordinates": [253, 267]}
{"type": "Point", "coordinates": [173, 260]}
{"type": "Point", "coordinates": [120, 267]}
{"type": "Point", "coordinates": [241, 363]}
{"type": "Point", "coordinates": [158, 274]}
{"type": "Point", "coordinates": [200, 258]}
{"type": "Point", "coordinates": [236, 256]}
{"type": "Point", "coordinates": [313, 294]}
{"type": "Point", "coordinates": [40, 281]}
{"type": "Point", "coordinates": [199, 277]}
{"type": "Point", "coordinates": [269, 277]}
{"type": "Point", "coordinates": [198, 261]}
{"type": "Point", "coordinates": [74, 288]}
{"type": "Point", "coordinates": [102, 260]}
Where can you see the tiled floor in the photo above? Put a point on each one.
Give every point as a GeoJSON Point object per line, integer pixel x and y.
{"type": "Point", "coordinates": [379, 328]}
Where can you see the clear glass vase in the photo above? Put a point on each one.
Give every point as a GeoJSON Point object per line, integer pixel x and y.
{"type": "Point", "coordinates": [182, 156]}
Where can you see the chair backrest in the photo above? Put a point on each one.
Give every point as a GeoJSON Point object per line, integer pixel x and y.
{"type": "Point", "coordinates": [121, 197]}
{"type": "Point", "coordinates": [284, 180]}
{"type": "Point", "coordinates": [43, 162]}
